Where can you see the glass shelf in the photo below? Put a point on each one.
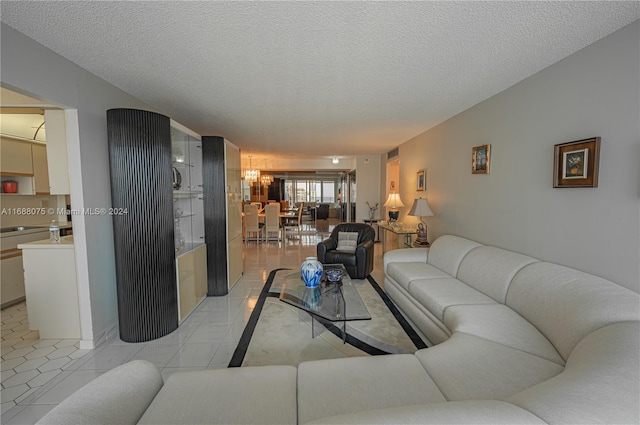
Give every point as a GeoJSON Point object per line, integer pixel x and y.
{"type": "Point", "coordinates": [180, 217]}
{"type": "Point", "coordinates": [188, 210]}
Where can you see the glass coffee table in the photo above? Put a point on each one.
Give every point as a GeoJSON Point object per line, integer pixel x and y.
{"type": "Point", "coordinates": [328, 303]}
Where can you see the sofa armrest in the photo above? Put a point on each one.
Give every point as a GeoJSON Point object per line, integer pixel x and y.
{"type": "Point", "coordinates": [406, 255]}
{"type": "Point", "coordinates": [119, 396]}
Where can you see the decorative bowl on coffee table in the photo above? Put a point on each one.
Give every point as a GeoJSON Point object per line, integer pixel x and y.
{"type": "Point", "coordinates": [333, 275]}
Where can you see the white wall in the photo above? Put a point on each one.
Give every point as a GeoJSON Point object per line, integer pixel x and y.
{"type": "Point", "coordinates": [367, 185]}
{"type": "Point", "coordinates": [31, 68]}
{"type": "Point", "coordinates": [594, 92]}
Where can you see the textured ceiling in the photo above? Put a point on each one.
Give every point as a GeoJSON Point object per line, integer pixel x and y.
{"type": "Point", "coordinates": [315, 78]}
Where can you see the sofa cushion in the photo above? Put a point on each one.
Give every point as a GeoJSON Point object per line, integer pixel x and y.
{"type": "Point", "coordinates": [498, 323]}
{"type": "Point", "coordinates": [431, 327]}
{"type": "Point", "coordinates": [447, 252]}
{"type": "Point", "coordinates": [119, 396]}
{"type": "Point", "coordinates": [600, 384]}
{"type": "Point", "coordinates": [438, 294]}
{"type": "Point", "coordinates": [342, 386]}
{"type": "Point", "coordinates": [466, 367]}
{"type": "Point", "coordinates": [490, 270]}
{"type": "Point", "coordinates": [248, 395]}
{"type": "Point", "coordinates": [461, 412]}
{"type": "Point", "coordinates": [404, 273]}
{"type": "Point", "coordinates": [567, 304]}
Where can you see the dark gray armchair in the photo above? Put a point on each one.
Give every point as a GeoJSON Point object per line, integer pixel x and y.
{"type": "Point", "coordinates": [359, 264]}
{"type": "Point", "coordinates": [322, 212]}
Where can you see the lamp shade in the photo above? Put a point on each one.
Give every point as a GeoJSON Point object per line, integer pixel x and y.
{"type": "Point", "coordinates": [420, 208]}
{"type": "Point", "coordinates": [394, 201]}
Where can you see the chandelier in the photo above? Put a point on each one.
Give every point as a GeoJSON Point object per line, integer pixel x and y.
{"type": "Point", "coordinates": [266, 179]}
{"type": "Point", "coordinates": [251, 175]}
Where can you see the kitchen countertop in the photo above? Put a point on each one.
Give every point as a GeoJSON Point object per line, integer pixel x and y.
{"type": "Point", "coordinates": [33, 228]}
{"type": "Point", "coordinates": [66, 242]}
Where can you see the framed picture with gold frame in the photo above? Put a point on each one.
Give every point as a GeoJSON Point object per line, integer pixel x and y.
{"type": "Point", "coordinates": [481, 159]}
{"type": "Point", "coordinates": [421, 184]}
{"type": "Point", "coordinates": [575, 164]}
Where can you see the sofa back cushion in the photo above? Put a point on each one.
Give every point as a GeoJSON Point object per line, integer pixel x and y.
{"type": "Point", "coordinates": [567, 304]}
{"type": "Point", "coordinates": [490, 270]}
{"type": "Point", "coordinates": [600, 383]}
{"type": "Point", "coordinates": [447, 252]}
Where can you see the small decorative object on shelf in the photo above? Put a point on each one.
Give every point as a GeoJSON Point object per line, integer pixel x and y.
{"type": "Point", "coordinates": [421, 235]}
{"type": "Point", "coordinates": [311, 272]}
{"type": "Point", "coordinates": [179, 239]}
{"type": "Point", "coordinates": [372, 210]}
{"type": "Point", "coordinates": [177, 179]}
{"type": "Point", "coordinates": [334, 275]}
{"type": "Point", "coordinates": [10, 186]}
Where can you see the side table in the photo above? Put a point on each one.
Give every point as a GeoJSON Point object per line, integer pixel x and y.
{"type": "Point", "coordinates": [400, 230]}
{"type": "Point", "coordinates": [371, 222]}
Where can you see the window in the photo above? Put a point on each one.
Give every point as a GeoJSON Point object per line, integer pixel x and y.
{"type": "Point", "coordinates": [307, 190]}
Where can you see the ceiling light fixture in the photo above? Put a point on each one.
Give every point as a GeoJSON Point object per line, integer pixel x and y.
{"type": "Point", "coordinates": [251, 175]}
{"type": "Point", "coordinates": [335, 160]}
{"type": "Point", "coordinates": [266, 179]}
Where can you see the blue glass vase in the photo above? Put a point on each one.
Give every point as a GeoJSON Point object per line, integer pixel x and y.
{"type": "Point", "coordinates": [311, 272]}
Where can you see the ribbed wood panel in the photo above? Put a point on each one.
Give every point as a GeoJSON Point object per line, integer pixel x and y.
{"type": "Point", "coordinates": [215, 214]}
{"type": "Point", "coordinates": [141, 183]}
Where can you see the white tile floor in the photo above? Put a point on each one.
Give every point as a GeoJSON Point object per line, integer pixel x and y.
{"type": "Point", "coordinates": [39, 374]}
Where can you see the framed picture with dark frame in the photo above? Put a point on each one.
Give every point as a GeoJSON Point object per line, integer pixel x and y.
{"type": "Point", "coordinates": [575, 164]}
{"type": "Point", "coordinates": [421, 184]}
{"type": "Point", "coordinates": [481, 159]}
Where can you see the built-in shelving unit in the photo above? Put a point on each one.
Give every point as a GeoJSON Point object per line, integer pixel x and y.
{"type": "Point", "coordinates": [188, 223]}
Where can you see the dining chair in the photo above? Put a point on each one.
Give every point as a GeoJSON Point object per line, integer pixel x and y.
{"type": "Point", "coordinates": [272, 222]}
{"type": "Point", "coordinates": [252, 225]}
{"type": "Point", "coordinates": [259, 205]}
{"type": "Point", "coordinates": [293, 224]}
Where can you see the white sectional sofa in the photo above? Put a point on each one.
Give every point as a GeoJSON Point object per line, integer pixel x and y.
{"type": "Point", "coordinates": [517, 341]}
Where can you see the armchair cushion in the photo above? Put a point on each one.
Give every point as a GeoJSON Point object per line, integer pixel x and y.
{"type": "Point", "coordinates": [347, 241]}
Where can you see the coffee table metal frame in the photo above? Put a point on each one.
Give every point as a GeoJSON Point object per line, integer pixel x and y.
{"type": "Point", "coordinates": [329, 302]}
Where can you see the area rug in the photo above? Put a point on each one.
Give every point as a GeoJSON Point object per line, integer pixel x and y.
{"type": "Point", "coordinates": [280, 334]}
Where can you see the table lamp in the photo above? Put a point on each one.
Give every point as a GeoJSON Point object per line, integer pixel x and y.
{"type": "Point", "coordinates": [420, 208]}
{"type": "Point", "coordinates": [394, 202]}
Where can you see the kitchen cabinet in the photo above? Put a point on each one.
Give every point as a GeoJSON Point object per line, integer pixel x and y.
{"type": "Point", "coordinates": [12, 277]}
{"type": "Point", "coordinates": [40, 169]}
{"type": "Point", "coordinates": [16, 158]}
{"type": "Point", "coordinates": [51, 288]}
{"type": "Point", "coordinates": [57, 157]}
